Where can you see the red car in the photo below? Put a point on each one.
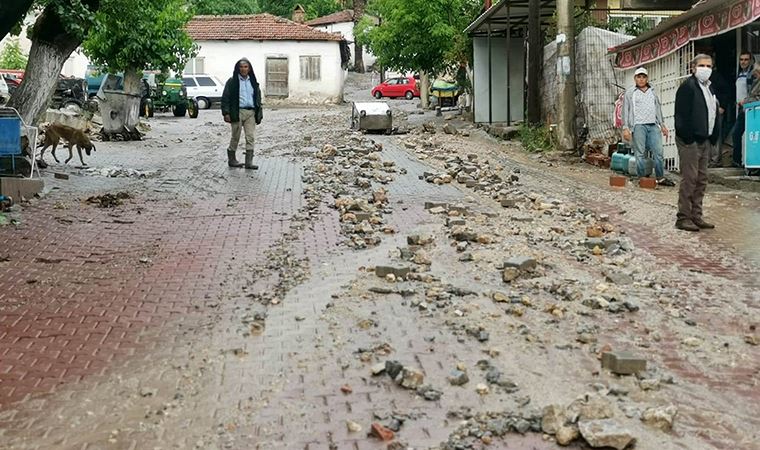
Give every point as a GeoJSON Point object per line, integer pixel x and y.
{"type": "Point", "coordinates": [397, 87]}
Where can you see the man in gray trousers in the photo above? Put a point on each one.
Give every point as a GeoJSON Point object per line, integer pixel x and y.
{"type": "Point", "coordinates": [697, 120]}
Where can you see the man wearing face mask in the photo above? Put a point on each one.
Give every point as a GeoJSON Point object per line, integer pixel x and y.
{"type": "Point", "coordinates": [697, 120]}
{"type": "Point", "coordinates": [744, 81]}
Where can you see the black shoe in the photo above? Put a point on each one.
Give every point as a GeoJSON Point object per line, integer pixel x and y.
{"type": "Point", "coordinates": [702, 224]}
{"type": "Point", "coordinates": [665, 182]}
{"type": "Point", "coordinates": [252, 166]}
{"type": "Point", "coordinates": [686, 225]}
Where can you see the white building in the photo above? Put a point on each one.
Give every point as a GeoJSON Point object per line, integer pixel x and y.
{"type": "Point", "coordinates": [342, 22]}
{"type": "Point", "coordinates": [292, 62]}
{"type": "Point", "coordinates": [74, 66]}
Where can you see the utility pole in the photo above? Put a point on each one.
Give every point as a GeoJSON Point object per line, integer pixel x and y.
{"type": "Point", "coordinates": [534, 62]}
{"type": "Point", "coordinates": [566, 74]}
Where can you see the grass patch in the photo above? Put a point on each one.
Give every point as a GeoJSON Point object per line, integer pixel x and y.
{"type": "Point", "coordinates": [536, 139]}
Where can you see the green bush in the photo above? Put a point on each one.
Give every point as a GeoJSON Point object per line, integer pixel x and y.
{"type": "Point", "coordinates": [536, 139]}
{"type": "Point", "coordinates": [11, 57]}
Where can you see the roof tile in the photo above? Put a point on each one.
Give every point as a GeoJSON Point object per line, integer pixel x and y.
{"type": "Point", "coordinates": [258, 27]}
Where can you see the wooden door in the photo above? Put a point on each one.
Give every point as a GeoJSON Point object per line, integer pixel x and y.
{"type": "Point", "coordinates": [277, 77]}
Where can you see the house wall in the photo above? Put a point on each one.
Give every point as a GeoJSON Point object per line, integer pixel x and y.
{"type": "Point", "coordinates": [74, 66]}
{"type": "Point", "coordinates": [220, 58]}
{"type": "Point", "coordinates": [346, 29]}
{"type": "Point", "coordinates": [498, 79]}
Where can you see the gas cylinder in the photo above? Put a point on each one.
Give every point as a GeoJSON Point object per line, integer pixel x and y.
{"type": "Point", "coordinates": [648, 166]}
{"type": "Point", "coordinates": [619, 162]}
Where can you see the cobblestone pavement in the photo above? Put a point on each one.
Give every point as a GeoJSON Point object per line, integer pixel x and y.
{"type": "Point", "coordinates": [129, 327]}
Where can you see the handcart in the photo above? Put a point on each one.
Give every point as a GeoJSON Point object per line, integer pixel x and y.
{"type": "Point", "coordinates": [751, 158]}
{"type": "Point", "coordinates": [12, 129]}
{"type": "Point", "coordinates": [447, 93]}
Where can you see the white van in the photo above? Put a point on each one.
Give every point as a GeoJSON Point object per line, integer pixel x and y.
{"type": "Point", "coordinates": [206, 89]}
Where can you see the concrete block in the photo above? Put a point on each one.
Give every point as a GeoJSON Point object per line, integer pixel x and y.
{"type": "Point", "coordinates": [617, 181]}
{"type": "Point", "coordinates": [523, 263]}
{"type": "Point", "coordinates": [19, 188]}
{"type": "Point", "coordinates": [623, 363]}
{"type": "Point", "coordinates": [647, 183]}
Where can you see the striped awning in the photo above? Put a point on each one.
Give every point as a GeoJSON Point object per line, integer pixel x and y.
{"type": "Point", "coordinates": [705, 19]}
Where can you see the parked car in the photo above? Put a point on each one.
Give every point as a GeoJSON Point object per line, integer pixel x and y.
{"type": "Point", "coordinates": [206, 89]}
{"type": "Point", "coordinates": [397, 87]}
{"type": "Point", "coordinates": [5, 94]}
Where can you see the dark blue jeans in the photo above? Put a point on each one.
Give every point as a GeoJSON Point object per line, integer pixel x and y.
{"type": "Point", "coordinates": [738, 135]}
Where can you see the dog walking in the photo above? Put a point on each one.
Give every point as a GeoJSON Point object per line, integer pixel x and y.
{"type": "Point", "coordinates": [241, 107]}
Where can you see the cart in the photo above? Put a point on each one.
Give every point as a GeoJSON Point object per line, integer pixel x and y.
{"type": "Point", "coordinates": [751, 158]}
{"type": "Point", "coordinates": [12, 129]}
{"type": "Point", "coordinates": [447, 93]}
{"type": "Point", "coordinates": [372, 116]}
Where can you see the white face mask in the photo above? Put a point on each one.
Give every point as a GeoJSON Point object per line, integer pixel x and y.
{"type": "Point", "coordinates": [703, 74]}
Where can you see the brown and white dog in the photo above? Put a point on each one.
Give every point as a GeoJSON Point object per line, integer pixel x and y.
{"type": "Point", "coordinates": [73, 137]}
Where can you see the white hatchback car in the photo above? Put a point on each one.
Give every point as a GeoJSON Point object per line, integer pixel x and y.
{"type": "Point", "coordinates": [206, 89]}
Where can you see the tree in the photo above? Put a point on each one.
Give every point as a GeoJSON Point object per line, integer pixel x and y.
{"type": "Point", "coordinates": [359, 7]}
{"type": "Point", "coordinates": [319, 8]}
{"type": "Point", "coordinates": [11, 14]}
{"type": "Point", "coordinates": [222, 7]}
{"type": "Point", "coordinates": [130, 36]}
{"type": "Point", "coordinates": [11, 57]}
{"type": "Point", "coordinates": [419, 35]}
{"type": "Point", "coordinates": [56, 33]}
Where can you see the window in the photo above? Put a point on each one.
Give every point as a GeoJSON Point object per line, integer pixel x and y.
{"type": "Point", "coordinates": [205, 81]}
{"type": "Point", "coordinates": [195, 65]}
{"type": "Point", "coordinates": [189, 81]}
{"type": "Point", "coordinates": [403, 81]}
{"type": "Point", "coordinates": [392, 82]}
{"type": "Point", "coordinates": [310, 68]}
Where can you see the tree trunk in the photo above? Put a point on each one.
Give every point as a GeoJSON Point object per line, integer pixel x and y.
{"type": "Point", "coordinates": [359, 7]}
{"type": "Point", "coordinates": [52, 44]}
{"type": "Point", "coordinates": [424, 90]}
{"type": "Point", "coordinates": [11, 13]}
{"type": "Point", "coordinates": [132, 80]}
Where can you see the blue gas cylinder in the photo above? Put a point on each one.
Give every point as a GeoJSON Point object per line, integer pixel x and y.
{"type": "Point", "coordinates": [619, 162]}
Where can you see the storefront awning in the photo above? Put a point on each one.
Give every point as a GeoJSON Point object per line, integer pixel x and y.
{"type": "Point", "coordinates": [509, 13]}
{"type": "Point", "coordinates": [705, 19]}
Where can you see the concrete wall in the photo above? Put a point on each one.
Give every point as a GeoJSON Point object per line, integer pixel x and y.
{"type": "Point", "coordinates": [498, 79]}
{"type": "Point", "coordinates": [74, 66]}
{"type": "Point", "coordinates": [220, 57]}
{"type": "Point", "coordinates": [346, 29]}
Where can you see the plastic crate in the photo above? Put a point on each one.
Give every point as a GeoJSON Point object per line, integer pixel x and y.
{"type": "Point", "coordinates": [10, 136]}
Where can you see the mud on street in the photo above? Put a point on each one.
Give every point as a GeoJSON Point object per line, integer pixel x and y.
{"type": "Point", "coordinates": [435, 289]}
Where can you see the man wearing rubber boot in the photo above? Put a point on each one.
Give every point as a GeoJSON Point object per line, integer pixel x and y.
{"type": "Point", "coordinates": [241, 107]}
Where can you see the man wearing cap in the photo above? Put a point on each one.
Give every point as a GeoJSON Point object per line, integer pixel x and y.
{"type": "Point", "coordinates": [697, 121]}
{"type": "Point", "coordinates": [643, 125]}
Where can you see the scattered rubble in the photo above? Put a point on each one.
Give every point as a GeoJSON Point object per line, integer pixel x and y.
{"type": "Point", "coordinates": [109, 200]}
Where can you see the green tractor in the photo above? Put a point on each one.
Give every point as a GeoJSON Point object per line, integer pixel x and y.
{"type": "Point", "coordinates": [169, 95]}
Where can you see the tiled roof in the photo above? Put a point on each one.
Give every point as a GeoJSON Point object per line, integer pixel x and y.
{"type": "Point", "coordinates": [347, 15]}
{"type": "Point", "coordinates": [258, 27]}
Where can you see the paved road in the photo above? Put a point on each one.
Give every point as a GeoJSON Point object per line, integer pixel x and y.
{"type": "Point", "coordinates": [131, 327]}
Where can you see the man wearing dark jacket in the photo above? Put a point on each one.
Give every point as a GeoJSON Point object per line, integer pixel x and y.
{"type": "Point", "coordinates": [697, 120]}
{"type": "Point", "coordinates": [241, 107]}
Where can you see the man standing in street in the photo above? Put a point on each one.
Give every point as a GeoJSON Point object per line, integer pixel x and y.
{"type": "Point", "coordinates": [642, 125]}
{"type": "Point", "coordinates": [744, 80]}
{"type": "Point", "coordinates": [241, 107]}
{"type": "Point", "coordinates": [697, 121]}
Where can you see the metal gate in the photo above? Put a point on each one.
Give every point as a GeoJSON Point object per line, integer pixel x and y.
{"type": "Point", "coordinates": [277, 77]}
{"type": "Point", "coordinates": [666, 76]}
